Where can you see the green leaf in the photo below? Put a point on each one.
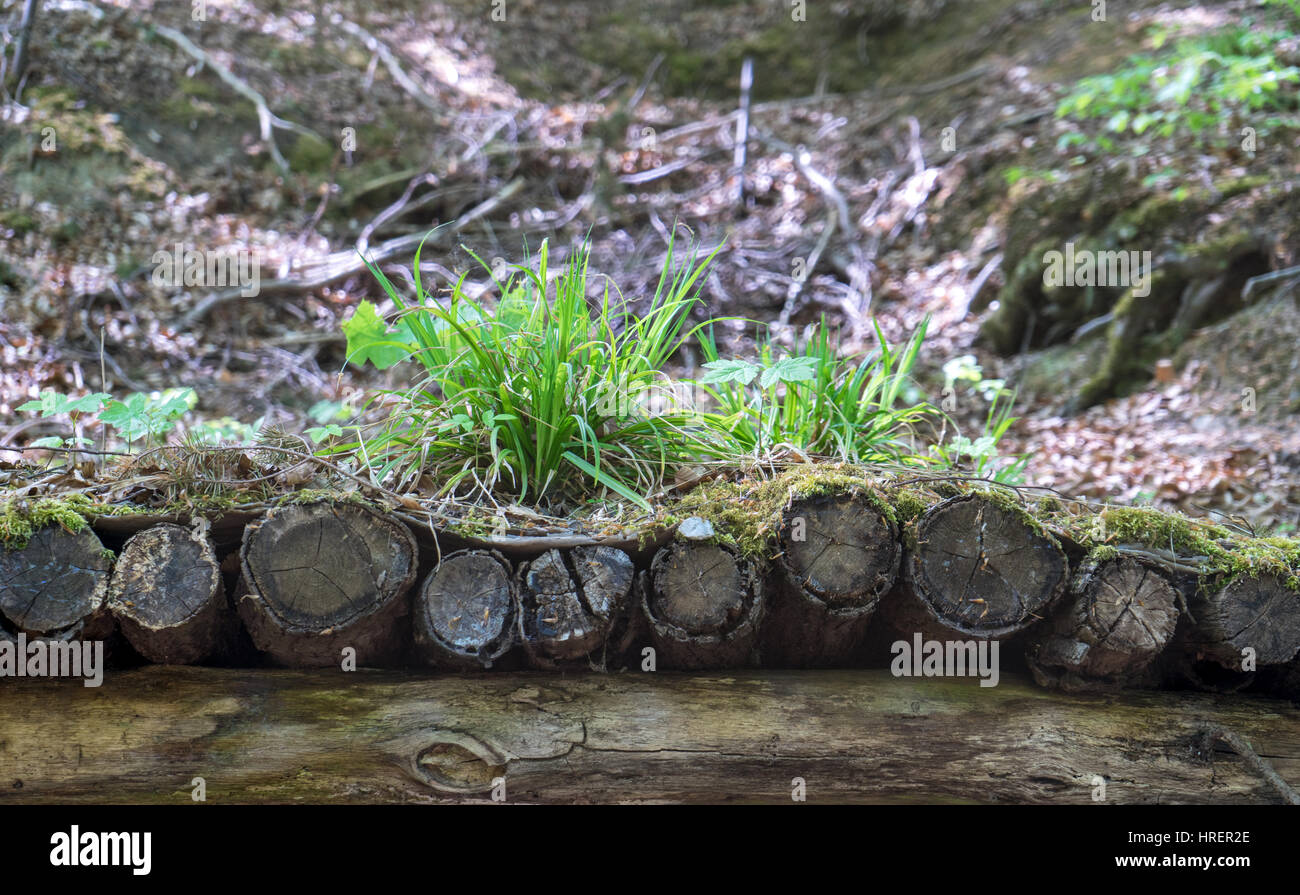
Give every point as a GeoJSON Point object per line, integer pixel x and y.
{"type": "Point", "coordinates": [790, 369]}
{"type": "Point", "coordinates": [317, 434]}
{"type": "Point", "coordinates": [371, 339]}
{"type": "Point", "coordinates": [607, 480]}
{"type": "Point", "coordinates": [740, 371]}
{"type": "Point", "coordinates": [52, 441]}
{"type": "Point", "coordinates": [52, 403]}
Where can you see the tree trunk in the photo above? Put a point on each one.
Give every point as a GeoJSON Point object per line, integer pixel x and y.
{"type": "Point", "coordinates": [851, 736]}
{"type": "Point", "coordinates": [465, 612]}
{"type": "Point", "coordinates": [838, 556]}
{"type": "Point", "coordinates": [1119, 617]}
{"type": "Point", "coordinates": [703, 604]}
{"type": "Point", "coordinates": [977, 570]}
{"type": "Point", "coordinates": [321, 578]}
{"type": "Point", "coordinates": [168, 597]}
{"type": "Point", "coordinates": [55, 585]}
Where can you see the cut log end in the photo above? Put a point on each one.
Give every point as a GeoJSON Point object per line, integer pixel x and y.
{"type": "Point", "coordinates": [840, 549]}
{"type": "Point", "coordinates": [570, 602]}
{"type": "Point", "coordinates": [323, 577]}
{"type": "Point", "coordinates": [55, 583]}
{"type": "Point", "coordinates": [167, 594]}
{"type": "Point", "coordinates": [1249, 617]}
{"type": "Point", "coordinates": [839, 555]}
{"type": "Point", "coordinates": [704, 606]}
{"type": "Point", "coordinates": [1120, 617]}
{"type": "Point", "coordinates": [981, 570]}
{"type": "Point", "coordinates": [464, 614]}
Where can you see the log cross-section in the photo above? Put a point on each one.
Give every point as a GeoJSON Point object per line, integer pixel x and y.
{"type": "Point", "coordinates": [321, 578]}
{"type": "Point", "coordinates": [167, 595]}
{"type": "Point", "coordinates": [465, 611]}
{"type": "Point", "coordinates": [980, 570]}
{"type": "Point", "coordinates": [55, 584]}
{"type": "Point", "coordinates": [1120, 616]}
{"type": "Point", "coordinates": [703, 603]}
{"type": "Point", "coordinates": [569, 602]}
{"type": "Point", "coordinates": [839, 555]}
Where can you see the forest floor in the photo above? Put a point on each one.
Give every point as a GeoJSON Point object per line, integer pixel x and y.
{"type": "Point", "coordinates": [611, 120]}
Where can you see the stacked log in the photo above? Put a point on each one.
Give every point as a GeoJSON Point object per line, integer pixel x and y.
{"type": "Point", "coordinates": [1120, 615]}
{"type": "Point", "coordinates": [703, 603]}
{"type": "Point", "coordinates": [839, 554]}
{"type": "Point", "coordinates": [977, 569]}
{"type": "Point", "coordinates": [465, 611]}
{"type": "Point", "coordinates": [322, 578]}
{"type": "Point", "coordinates": [570, 602]}
{"type": "Point", "coordinates": [315, 584]}
{"type": "Point", "coordinates": [54, 585]}
{"type": "Point", "coordinates": [168, 597]}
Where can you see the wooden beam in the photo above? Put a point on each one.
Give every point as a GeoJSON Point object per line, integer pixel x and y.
{"type": "Point", "coordinates": [852, 736]}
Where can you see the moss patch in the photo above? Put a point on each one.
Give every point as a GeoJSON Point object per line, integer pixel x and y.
{"type": "Point", "coordinates": [20, 519]}
{"type": "Point", "coordinates": [746, 514]}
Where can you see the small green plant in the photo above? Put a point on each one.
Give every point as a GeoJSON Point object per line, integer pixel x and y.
{"type": "Point", "coordinates": [817, 401]}
{"type": "Point", "coordinates": [1189, 90]}
{"type": "Point", "coordinates": [541, 394]}
{"type": "Point", "coordinates": [148, 416]}
{"type": "Point", "coordinates": [139, 416]}
{"type": "Point", "coordinates": [980, 456]}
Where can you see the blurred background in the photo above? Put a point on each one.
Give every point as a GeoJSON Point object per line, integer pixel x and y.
{"type": "Point", "coordinates": [873, 162]}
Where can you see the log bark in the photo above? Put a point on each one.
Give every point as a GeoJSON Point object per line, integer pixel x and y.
{"type": "Point", "coordinates": [838, 556]}
{"type": "Point", "coordinates": [55, 585]}
{"type": "Point", "coordinates": [465, 611]}
{"type": "Point", "coordinates": [704, 604]}
{"type": "Point", "coordinates": [570, 602]}
{"type": "Point", "coordinates": [977, 570]}
{"type": "Point", "coordinates": [320, 578]}
{"type": "Point", "coordinates": [852, 736]}
{"type": "Point", "coordinates": [168, 597]}
{"type": "Point", "coordinates": [1255, 615]}
{"type": "Point", "coordinates": [1119, 617]}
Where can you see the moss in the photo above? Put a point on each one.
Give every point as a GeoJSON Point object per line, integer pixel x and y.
{"type": "Point", "coordinates": [911, 503]}
{"type": "Point", "coordinates": [1156, 529]}
{"type": "Point", "coordinates": [1101, 553]}
{"type": "Point", "coordinates": [1220, 553]}
{"type": "Point", "coordinates": [20, 519]}
{"type": "Point", "coordinates": [310, 155]}
{"type": "Point", "coordinates": [316, 495]}
{"type": "Point", "coordinates": [1049, 506]}
{"type": "Point", "coordinates": [747, 514]}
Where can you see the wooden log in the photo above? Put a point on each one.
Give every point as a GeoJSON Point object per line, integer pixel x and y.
{"type": "Point", "coordinates": [569, 602]}
{"type": "Point", "coordinates": [704, 604]}
{"type": "Point", "coordinates": [320, 578]}
{"type": "Point", "coordinates": [1119, 616]}
{"type": "Point", "coordinates": [838, 555]}
{"type": "Point", "coordinates": [1251, 620]}
{"type": "Point", "coordinates": [852, 736]}
{"type": "Point", "coordinates": [465, 611]}
{"type": "Point", "coordinates": [55, 585]}
{"type": "Point", "coordinates": [168, 597]}
{"type": "Point", "coordinates": [977, 569]}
